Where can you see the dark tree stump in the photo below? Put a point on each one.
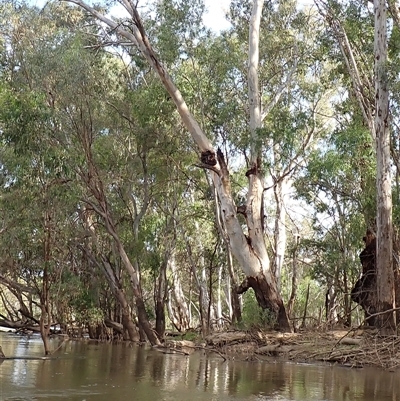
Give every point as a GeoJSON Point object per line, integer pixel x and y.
{"type": "Point", "coordinates": [365, 292]}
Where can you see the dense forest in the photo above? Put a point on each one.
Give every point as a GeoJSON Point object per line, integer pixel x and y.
{"type": "Point", "coordinates": [159, 176]}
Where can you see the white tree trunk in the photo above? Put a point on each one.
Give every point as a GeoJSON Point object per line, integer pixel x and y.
{"type": "Point", "coordinates": [384, 250]}
{"type": "Point", "coordinates": [177, 306]}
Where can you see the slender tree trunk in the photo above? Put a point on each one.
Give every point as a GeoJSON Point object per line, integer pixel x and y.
{"type": "Point", "coordinates": [45, 317]}
{"type": "Point", "coordinates": [330, 304]}
{"type": "Point", "coordinates": [303, 322]}
{"type": "Point", "coordinates": [101, 207]}
{"type": "Point", "coordinates": [161, 295]}
{"type": "Point", "coordinates": [218, 311]}
{"type": "Point", "coordinates": [201, 285]}
{"type": "Point", "coordinates": [280, 237]}
{"type": "Point", "coordinates": [177, 306]}
{"type": "Point", "coordinates": [113, 280]}
{"type": "Point", "coordinates": [347, 300]}
{"type": "Point", "coordinates": [293, 293]}
{"type": "Point", "coordinates": [384, 251]}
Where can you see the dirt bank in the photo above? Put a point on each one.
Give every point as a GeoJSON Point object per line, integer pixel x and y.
{"type": "Point", "coordinates": [349, 348]}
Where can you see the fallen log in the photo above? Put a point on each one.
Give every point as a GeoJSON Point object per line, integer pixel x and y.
{"type": "Point", "coordinates": [219, 339]}
{"type": "Point", "coordinates": [114, 325]}
{"type": "Point", "coordinates": [19, 325]}
{"type": "Point", "coordinates": [274, 349]}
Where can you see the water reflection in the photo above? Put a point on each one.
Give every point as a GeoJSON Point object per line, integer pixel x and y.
{"type": "Point", "coordinates": [121, 372]}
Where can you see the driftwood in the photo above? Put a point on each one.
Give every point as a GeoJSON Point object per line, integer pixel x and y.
{"type": "Point", "coordinates": [350, 341]}
{"type": "Point", "coordinates": [274, 349]}
{"type": "Point", "coordinates": [227, 338]}
{"type": "Point", "coordinates": [183, 347]}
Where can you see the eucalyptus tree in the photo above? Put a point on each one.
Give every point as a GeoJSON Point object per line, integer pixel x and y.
{"type": "Point", "coordinates": [333, 183]}
{"type": "Point", "coordinates": [370, 70]}
{"type": "Point", "coordinates": [32, 170]}
{"type": "Point", "coordinates": [76, 137]}
{"type": "Point", "coordinates": [248, 246]}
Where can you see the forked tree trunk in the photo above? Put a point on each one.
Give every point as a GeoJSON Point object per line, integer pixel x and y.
{"type": "Point", "coordinates": [248, 248]}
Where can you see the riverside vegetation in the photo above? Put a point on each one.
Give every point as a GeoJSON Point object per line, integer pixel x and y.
{"type": "Point", "coordinates": [160, 178]}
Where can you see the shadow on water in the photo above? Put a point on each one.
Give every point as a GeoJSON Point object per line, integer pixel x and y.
{"type": "Point", "coordinates": [105, 372]}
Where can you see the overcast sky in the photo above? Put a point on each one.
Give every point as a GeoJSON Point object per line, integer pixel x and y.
{"type": "Point", "coordinates": [214, 18]}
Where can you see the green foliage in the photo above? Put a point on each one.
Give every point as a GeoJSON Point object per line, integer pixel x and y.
{"type": "Point", "coordinates": [191, 336]}
{"type": "Point", "coordinates": [253, 316]}
{"type": "Point", "coordinates": [76, 118]}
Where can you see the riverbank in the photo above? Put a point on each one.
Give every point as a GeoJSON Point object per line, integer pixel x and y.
{"type": "Point", "coordinates": [354, 349]}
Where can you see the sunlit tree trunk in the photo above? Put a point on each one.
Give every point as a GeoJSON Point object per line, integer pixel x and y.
{"type": "Point", "coordinates": [261, 278]}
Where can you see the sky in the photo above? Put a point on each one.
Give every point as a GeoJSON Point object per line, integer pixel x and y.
{"type": "Point", "coordinates": [213, 19]}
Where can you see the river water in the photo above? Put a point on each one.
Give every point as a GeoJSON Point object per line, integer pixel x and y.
{"type": "Point", "coordinates": [119, 372]}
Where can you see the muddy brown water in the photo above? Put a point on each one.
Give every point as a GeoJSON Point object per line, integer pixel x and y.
{"type": "Point", "coordinates": [117, 372]}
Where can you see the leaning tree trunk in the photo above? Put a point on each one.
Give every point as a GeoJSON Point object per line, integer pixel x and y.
{"type": "Point", "coordinates": [116, 288]}
{"type": "Point", "coordinates": [113, 280]}
{"type": "Point", "coordinates": [95, 185]}
{"type": "Point", "coordinates": [384, 238]}
{"type": "Point", "coordinates": [248, 248]}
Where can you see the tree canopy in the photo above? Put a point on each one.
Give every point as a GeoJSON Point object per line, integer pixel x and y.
{"type": "Point", "coordinates": [157, 175]}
